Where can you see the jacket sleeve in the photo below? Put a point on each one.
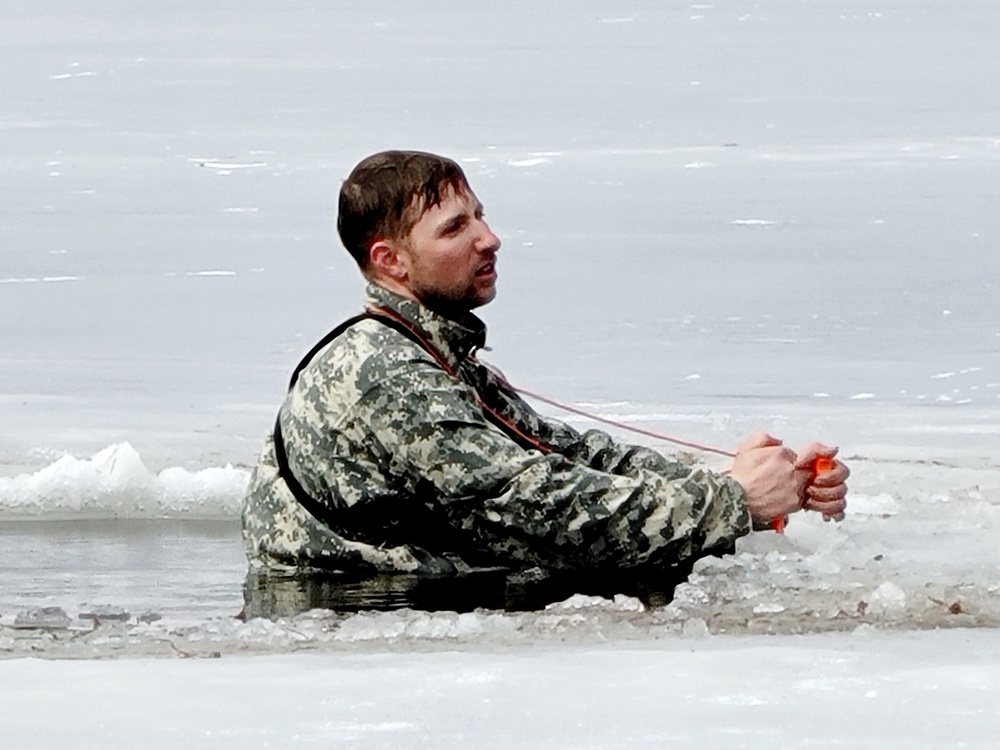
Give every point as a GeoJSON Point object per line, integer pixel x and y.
{"type": "Point", "coordinates": [598, 450]}
{"type": "Point", "coordinates": [551, 509]}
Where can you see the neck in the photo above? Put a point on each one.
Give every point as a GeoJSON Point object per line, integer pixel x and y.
{"type": "Point", "coordinates": [446, 308]}
{"type": "Point", "coordinates": [393, 286]}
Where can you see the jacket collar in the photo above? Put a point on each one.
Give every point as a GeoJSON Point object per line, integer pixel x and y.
{"type": "Point", "coordinates": [453, 339]}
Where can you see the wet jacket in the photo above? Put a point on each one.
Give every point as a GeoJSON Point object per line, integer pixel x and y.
{"type": "Point", "coordinates": [424, 460]}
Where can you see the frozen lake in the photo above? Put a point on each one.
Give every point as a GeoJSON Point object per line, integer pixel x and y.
{"type": "Point", "coordinates": [728, 215]}
{"type": "Point", "coordinates": [915, 691]}
{"type": "Point", "coordinates": [716, 217]}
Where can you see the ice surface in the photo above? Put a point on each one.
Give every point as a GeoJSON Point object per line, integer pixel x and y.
{"type": "Point", "coordinates": [863, 690]}
{"type": "Point", "coordinates": [42, 618]}
{"type": "Point", "coordinates": [836, 245]}
{"type": "Point", "coordinates": [115, 483]}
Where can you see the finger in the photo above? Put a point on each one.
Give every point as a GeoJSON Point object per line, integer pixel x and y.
{"type": "Point", "coordinates": [802, 480]}
{"type": "Point", "coordinates": [787, 454]}
{"type": "Point", "coordinates": [758, 439]}
{"type": "Point", "coordinates": [826, 507]}
{"type": "Point", "coordinates": [826, 494]}
{"type": "Point", "coordinates": [839, 474]}
{"type": "Point", "coordinates": [808, 455]}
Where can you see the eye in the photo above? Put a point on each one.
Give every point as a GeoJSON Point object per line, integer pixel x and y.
{"type": "Point", "coordinates": [454, 226]}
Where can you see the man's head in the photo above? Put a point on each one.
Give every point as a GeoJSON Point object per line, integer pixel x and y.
{"type": "Point", "coordinates": [413, 225]}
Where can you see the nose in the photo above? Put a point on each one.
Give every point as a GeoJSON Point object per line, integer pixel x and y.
{"type": "Point", "coordinates": [488, 242]}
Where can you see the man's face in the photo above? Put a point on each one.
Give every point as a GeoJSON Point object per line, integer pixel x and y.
{"type": "Point", "coordinates": [450, 255]}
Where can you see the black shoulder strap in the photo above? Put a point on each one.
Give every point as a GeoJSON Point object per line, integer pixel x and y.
{"type": "Point", "coordinates": [320, 511]}
{"type": "Point", "coordinates": [323, 512]}
{"type": "Point", "coordinates": [325, 341]}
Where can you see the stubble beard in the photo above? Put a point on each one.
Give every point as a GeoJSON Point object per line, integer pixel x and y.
{"type": "Point", "coordinates": [454, 305]}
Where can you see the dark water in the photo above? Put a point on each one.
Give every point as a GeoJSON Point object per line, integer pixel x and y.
{"type": "Point", "coordinates": [496, 589]}
{"type": "Point", "coordinates": [195, 570]}
{"type": "Point", "coordinates": [186, 570]}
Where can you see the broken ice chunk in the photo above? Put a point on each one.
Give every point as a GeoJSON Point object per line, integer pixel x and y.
{"type": "Point", "coordinates": [44, 618]}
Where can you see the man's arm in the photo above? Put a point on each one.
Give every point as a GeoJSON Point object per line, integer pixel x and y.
{"type": "Point", "coordinates": [775, 480]}
{"type": "Point", "coordinates": [601, 451]}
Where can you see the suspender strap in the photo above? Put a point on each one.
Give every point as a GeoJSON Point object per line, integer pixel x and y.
{"type": "Point", "coordinates": [323, 342]}
{"type": "Point", "coordinates": [324, 512]}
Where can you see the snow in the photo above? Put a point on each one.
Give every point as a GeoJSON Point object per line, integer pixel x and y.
{"type": "Point", "coordinates": [865, 690]}
{"type": "Point", "coordinates": [115, 483]}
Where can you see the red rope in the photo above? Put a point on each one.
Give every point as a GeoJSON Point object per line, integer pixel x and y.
{"type": "Point", "coordinates": [624, 425]}
{"type": "Point", "coordinates": [446, 366]}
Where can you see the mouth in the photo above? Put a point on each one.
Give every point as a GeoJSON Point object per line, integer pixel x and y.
{"type": "Point", "coordinates": [486, 270]}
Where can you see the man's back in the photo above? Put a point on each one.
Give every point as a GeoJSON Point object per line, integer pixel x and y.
{"type": "Point", "coordinates": [338, 456]}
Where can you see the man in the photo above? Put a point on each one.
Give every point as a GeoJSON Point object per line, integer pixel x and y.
{"type": "Point", "coordinates": [398, 455]}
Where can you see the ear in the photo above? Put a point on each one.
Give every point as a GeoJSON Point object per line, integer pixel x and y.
{"type": "Point", "coordinates": [386, 261]}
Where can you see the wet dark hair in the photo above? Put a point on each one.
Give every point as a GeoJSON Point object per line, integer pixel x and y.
{"type": "Point", "coordinates": [387, 193]}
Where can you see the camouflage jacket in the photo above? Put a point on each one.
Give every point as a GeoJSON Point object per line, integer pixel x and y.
{"type": "Point", "coordinates": [419, 480]}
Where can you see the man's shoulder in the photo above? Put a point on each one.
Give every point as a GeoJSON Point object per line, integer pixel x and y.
{"type": "Point", "coordinates": [366, 355]}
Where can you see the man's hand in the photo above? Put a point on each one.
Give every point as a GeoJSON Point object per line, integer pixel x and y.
{"type": "Point", "coordinates": [771, 478]}
{"type": "Point", "coordinates": [826, 491]}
